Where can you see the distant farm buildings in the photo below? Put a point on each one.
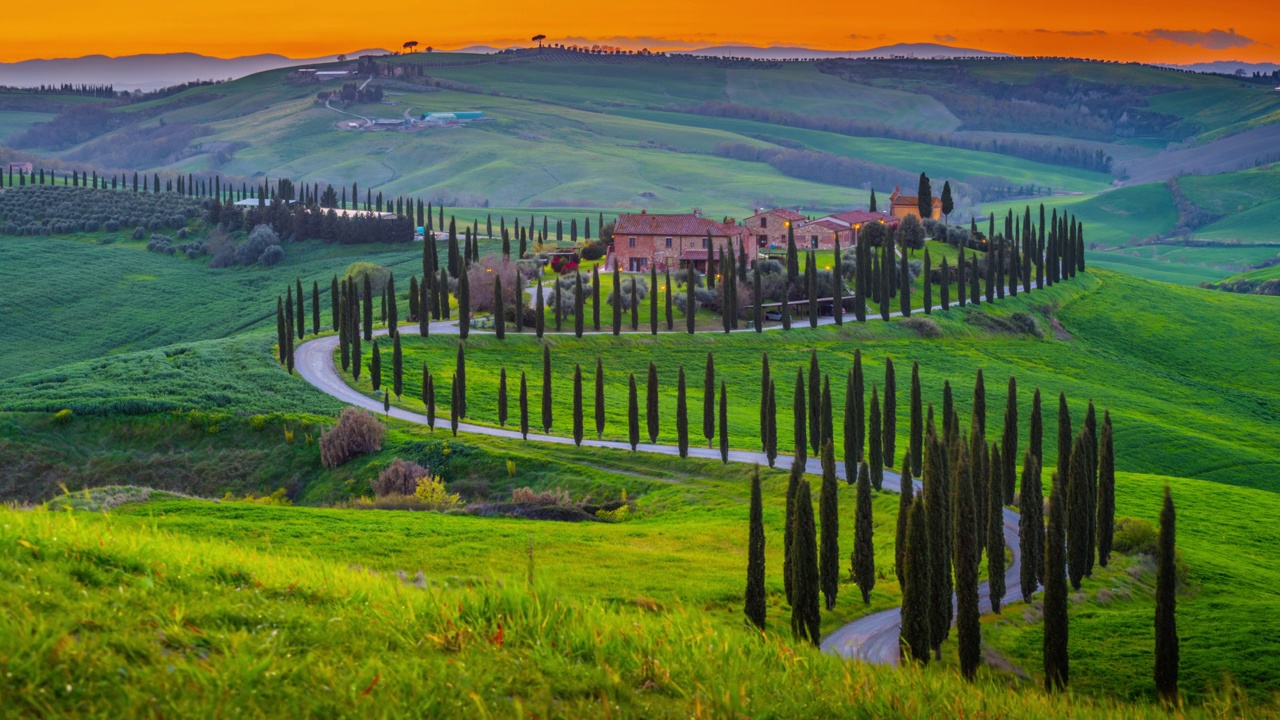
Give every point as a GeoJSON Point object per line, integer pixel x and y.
{"type": "Point", "coordinates": [340, 212]}
{"type": "Point", "coordinates": [901, 205]}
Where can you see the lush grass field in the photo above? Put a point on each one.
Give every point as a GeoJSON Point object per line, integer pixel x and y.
{"type": "Point", "coordinates": [103, 615]}
{"type": "Point", "coordinates": [1152, 269]}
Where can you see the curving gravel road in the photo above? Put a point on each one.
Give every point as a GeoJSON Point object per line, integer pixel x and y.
{"type": "Point", "coordinates": [873, 638]}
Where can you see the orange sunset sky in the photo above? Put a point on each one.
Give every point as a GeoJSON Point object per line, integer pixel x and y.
{"type": "Point", "coordinates": [1144, 30]}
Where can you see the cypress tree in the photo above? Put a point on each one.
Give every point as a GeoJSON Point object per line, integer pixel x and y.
{"type": "Point", "coordinates": [874, 447]}
{"type": "Point", "coordinates": [916, 444]}
{"type": "Point", "coordinates": [460, 380]}
{"type": "Point", "coordinates": [916, 629]}
{"type": "Point", "coordinates": [980, 406]}
{"type": "Point", "coordinates": [356, 354]}
{"type": "Point", "coordinates": [1078, 520]}
{"type": "Point", "coordinates": [755, 606]}
{"type": "Point", "coordinates": [301, 314]}
{"type": "Point", "coordinates": [890, 418]}
{"type": "Point", "coordinates": [945, 288]}
{"type": "Point", "coordinates": [499, 311]}
{"type": "Point", "coordinates": [289, 324]}
{"type": "Point", "coordinates": [1009, 444]}
{"type": "Point", "coordinates": [724, 424]}
{"type": "Point", "coordinates": [375, 368]}
{"type": "Point", "coordinates": [937, 504]}
{"type": "Point", "coordinates": [904, 288]}
{"type": "Point", "coordinates": [1031, 526]}
{"type": "Point", "coordinates": [651, 403]}
{"type": "Point", "coordinates": [689, 300]}
{"type": "Point", "coordinates": [635, 306]}
{"type": "Point", "coordinates": [764, 399]}
{"type": "Point", "coordinates": [811, 277]}
{"type": "Point", "coordinates": [1091, 444]}
{"type": "Point", "coordinates": [599, 404]}
{"type": "Point", "coordinates": [950, 421]}
{"type": "Point", "coordinates": [397, 367]}
{"type": "Point", "coordinates": [368, 309]}
{"type": "Point", "coordinates": [281, 331]}
{"type": "Point", "coordinates": [666, 286]}
{"type": "Point", "coordinates": [555, 301]}
{"type": "Point", "coordinates": [502, 396]}
{"type": "Point", "coordinates": [633, 414]}
{"type": "Point", "coordinates": [335, 309]}
{"type": "Point", "coordinates": [1106, 523]}
{"type": "Point", "coordinates": [965, 559]}
{"type": "Point", "coordinates": [1036, 431]}
{"type": "Point", "coordinates": [424, 317]}
{"type": "Point", "coordinates": [344, 337]}
{"type": "Point", "coordinates": [799, 415]}
{"type": "Point", "coordinates": [579, 309]}
{"type": "Point", "coordinates": [863, 559]}
{"type": "Point", "coordinates": [617, 299]}
{"type": "Point", "coordinates": [546, 388]}
{"type": "Point", "coordinates": [849, 430]}
{"type": "Point", "coordinates": [805, 613]}
{"type": "Point", "coordinates": [788, 534]}
{"type": "Point", "coordinates": [453, 408]}
{"type": "Point", "coordinates": [757, 300]}
{"type": "Point", "coordinates": [859, 407]}
{"type": "Point", "coordinates": [1056, 660]}
{"type": "Point", "coordinates": [960, 268]}
{"type": "Point", "coordinates": [709, 400]}
{"type": "Point", "coordinates": [653, 299]}
{"type": "Point", "coordinates": [539, 310]}
{"type": "Point", "coordinates": [995, 529]}
{"type": "Point", "coordinates": [1167, 652]}
{"type": "Point", "coordinates": [837, 287]}
{"type": "Point", "coordinates": [577, 404]}
{"type": "Point", "coordinates": [906, 491]}
{"type": "Point", "coordinates": [1064, 437]}
{"type": "Point", "coordinates": [524, 407]}
{"type": "Point", "coordinates": [829, 520]}
{"type": "Point", "coordinates": [682, 415]}
{"type": "Point", "coordinates": [815, 404]}
{"type": "Point", "coordinates": [926, 284]}
{"type": "Point", "coordinates": [771, 422]}
{"type": "Point", "coordinates": [315, 307]}
{"type": "Point", "coordinates": [393, 311]}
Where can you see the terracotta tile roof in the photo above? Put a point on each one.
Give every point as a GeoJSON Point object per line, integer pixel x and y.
{"type": "Point", "coordinates": [693, 255]}
{"type": "Point", "coordinates": [825, 224]}
{"type": "Point", "coordinates": [783, 213]}
{"type": "Point", "coordinates": [655, 224]}
{"type": "Point", "coordinates": [853, 217]}
{"type": "Point", "coordinates": [912, 201]}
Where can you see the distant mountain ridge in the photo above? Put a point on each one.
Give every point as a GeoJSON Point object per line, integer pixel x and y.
{"type": "Point", "coordinates": [147, 72]}
{"type": "Point", "coordinates": [1228, 67]}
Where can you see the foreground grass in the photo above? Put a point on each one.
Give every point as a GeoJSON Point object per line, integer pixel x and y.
{"type": "Point", "coordinates": [101, 618]}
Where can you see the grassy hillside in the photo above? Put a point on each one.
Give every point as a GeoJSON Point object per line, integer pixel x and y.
{"type": "Point", "coordinates": [103, 617]}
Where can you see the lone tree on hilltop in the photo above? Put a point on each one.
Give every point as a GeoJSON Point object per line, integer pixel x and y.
{"type": "Point", "coordinates": [538, 39]}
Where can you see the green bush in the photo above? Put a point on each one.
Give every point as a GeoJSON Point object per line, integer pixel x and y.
{"type": "Point", "coordinates": [62, 417]}
{"type": "Point", "coordinates": [1135, 536]}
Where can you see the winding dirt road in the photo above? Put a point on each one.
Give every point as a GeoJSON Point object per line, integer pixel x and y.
{"type": "Point", "coordinates": [873, 638]}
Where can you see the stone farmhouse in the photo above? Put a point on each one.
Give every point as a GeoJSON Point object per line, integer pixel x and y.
{"type": "Point", "coordinates": [901, 205]}
{"type": "Point", "coordinates": [770, 227]}
{"type": "Point", "coordinates": [642, 240]}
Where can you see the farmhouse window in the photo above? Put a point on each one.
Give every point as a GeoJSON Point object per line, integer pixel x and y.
{"type": "Point", "coordinates": [814, 239]}
{"type": "Point", "coordinates": [631, 242]}
{"type": "Point", "coordinates": [668, 242]}
{"type": "Point", "coordinates": [764, 222]}
{"type": "Point", "coordinates": [704, 243]}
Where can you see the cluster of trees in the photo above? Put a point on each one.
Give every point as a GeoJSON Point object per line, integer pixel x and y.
{"type": "Point", "coordinates": [1080, 156]}
{"type": "Point", "coordinates": [36, 209]}
{"type": "Point", "coordinates": [98, 91]}
{"type": "Point", "coordinates": [351, 93]}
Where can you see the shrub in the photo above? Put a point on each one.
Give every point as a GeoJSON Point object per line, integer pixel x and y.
{"type": "Point", "coordinates": [139, 233]}
{"type": "Point", "coordinates": [642, 292]}
{"type": "Point", "coordinates": [1026, 323]}
{"type": "Point", "coordinates": [399, 478]}
{"type": "Point", "coordinates": [922, 326]}
{"type": "Point", "coordinates": [594, 251]}
{"type": "Point", "coordinates": [252, 249]}
{"type": "Point", "coordinates": [377, 277]}
{"type": "Point", "coordinates": [62, 417]}
{"type": "Point", "coordinates": [356, 433]}
{"type": "Point", "coordinates": [433, 495]}
{"type": "Point", "coordinates": [1135, 536]}
{"type": "Point", "coordinates": [271, 256]}
{"type": "Point", "coordinates": [527, 496]}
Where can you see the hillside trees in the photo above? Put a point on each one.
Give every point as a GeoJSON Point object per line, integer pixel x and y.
{"type": "Point", "coordinates": [755, 602]}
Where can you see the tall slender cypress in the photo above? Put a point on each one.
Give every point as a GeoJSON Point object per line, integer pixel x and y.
{"type": "Point", "coordinates": [1167, 651]}
{"type": "Point", "coordinates": [1078, 521]}
{"type": "Point", "coordinates": [815, 404]}
{"type": "Point", "coordinates": [1106, 524]}
{"type": "Point", "coordinates": [301, 314]}
{"type": "Point", "coordinates": [890, 418]}
{"type": "Point", "coordinates": [499, 311]}
{"type": "Point", "coordinates": [577, 404]}
{"type": "Point", "coordinates": [863, 559]}
{"type": "Point", "coordinates": [633, 414]}
{"type": "Point", "coordinates": [1056, 659]}
{"type": "Point", "coordinates": [682, 414]}
{"type": "Point", "coordinates": [827, 424]}
{"type": "Point", "coordinates": [906, 491]}
{"type": "Point", "coordinates": [397, 367]}
{"type": "Point", "coordinates": [539, 310]}
{"type": "Point", "coordinates": [524, 406]}
{"type": "Point", "coordinates": [335, 309]}
{"type": "Point", "coordinates": [502, 397]}
{"type": "Point", "coordinates": [1009, 443]}
{"type": "Point", "coordinates": [689, 301]}
{"type": "Point", "coordinates": [771, 420]}
{"type": "Point", "coordinates": [937, 504]}
{"type": "Point", "coordinates": [617, 299]}
{"type": "Point", "coordinates": [755, 606]}
{"type": "Point", "coordinates": [964, 557]}
{"type": "Point", "coordinates": [1031, 526]}
{"type": "Point", "coordinates": [859, 407]}
{"type": "Point", "coordinates": [429, 396]}
{"type": "Point", "coordinates": [368, 309]}
{"type": "Point", "coordinates": [666, 288]}
{"type": "Point", "coordinates": [805, 612]}
{"type": "Point", "coordinates": [875, 450]}
{"type": "Point", "coordinates": [799, 418]}
{"type": "Point", "coordinates": [850, 449]}
{"type": "Point", "coordinates": [724, 424]}
{"type": "Point", "coordinates": [916, 440]}
{"type": "Point", "coordinates": [793, 483]}
{"type": "Point", "coordinates": [916, 630]}
{"type": "Point", "coordinates": [1065, 437]}
{"type": "Point", "coordinates": [375, 368]}
{"type": "Point", "coordinates": [829, 520]}
{"type": "Point", "coordinates": [995, 529]}
{"type": "Point", "coordinates": [709, 400]}
{"type": "Point", "coordinates": [595, 298]}
{"type": "Point", "coordinates": [461, 380]}
{"type": "Point", "coordinates": [315, 307]}
{"type": "Point", "coordinates": [1091, 444]}
{"type": "Point", "coordinates": [635, 305]}
{"type": "Point", "coordinates": [651, 403]}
